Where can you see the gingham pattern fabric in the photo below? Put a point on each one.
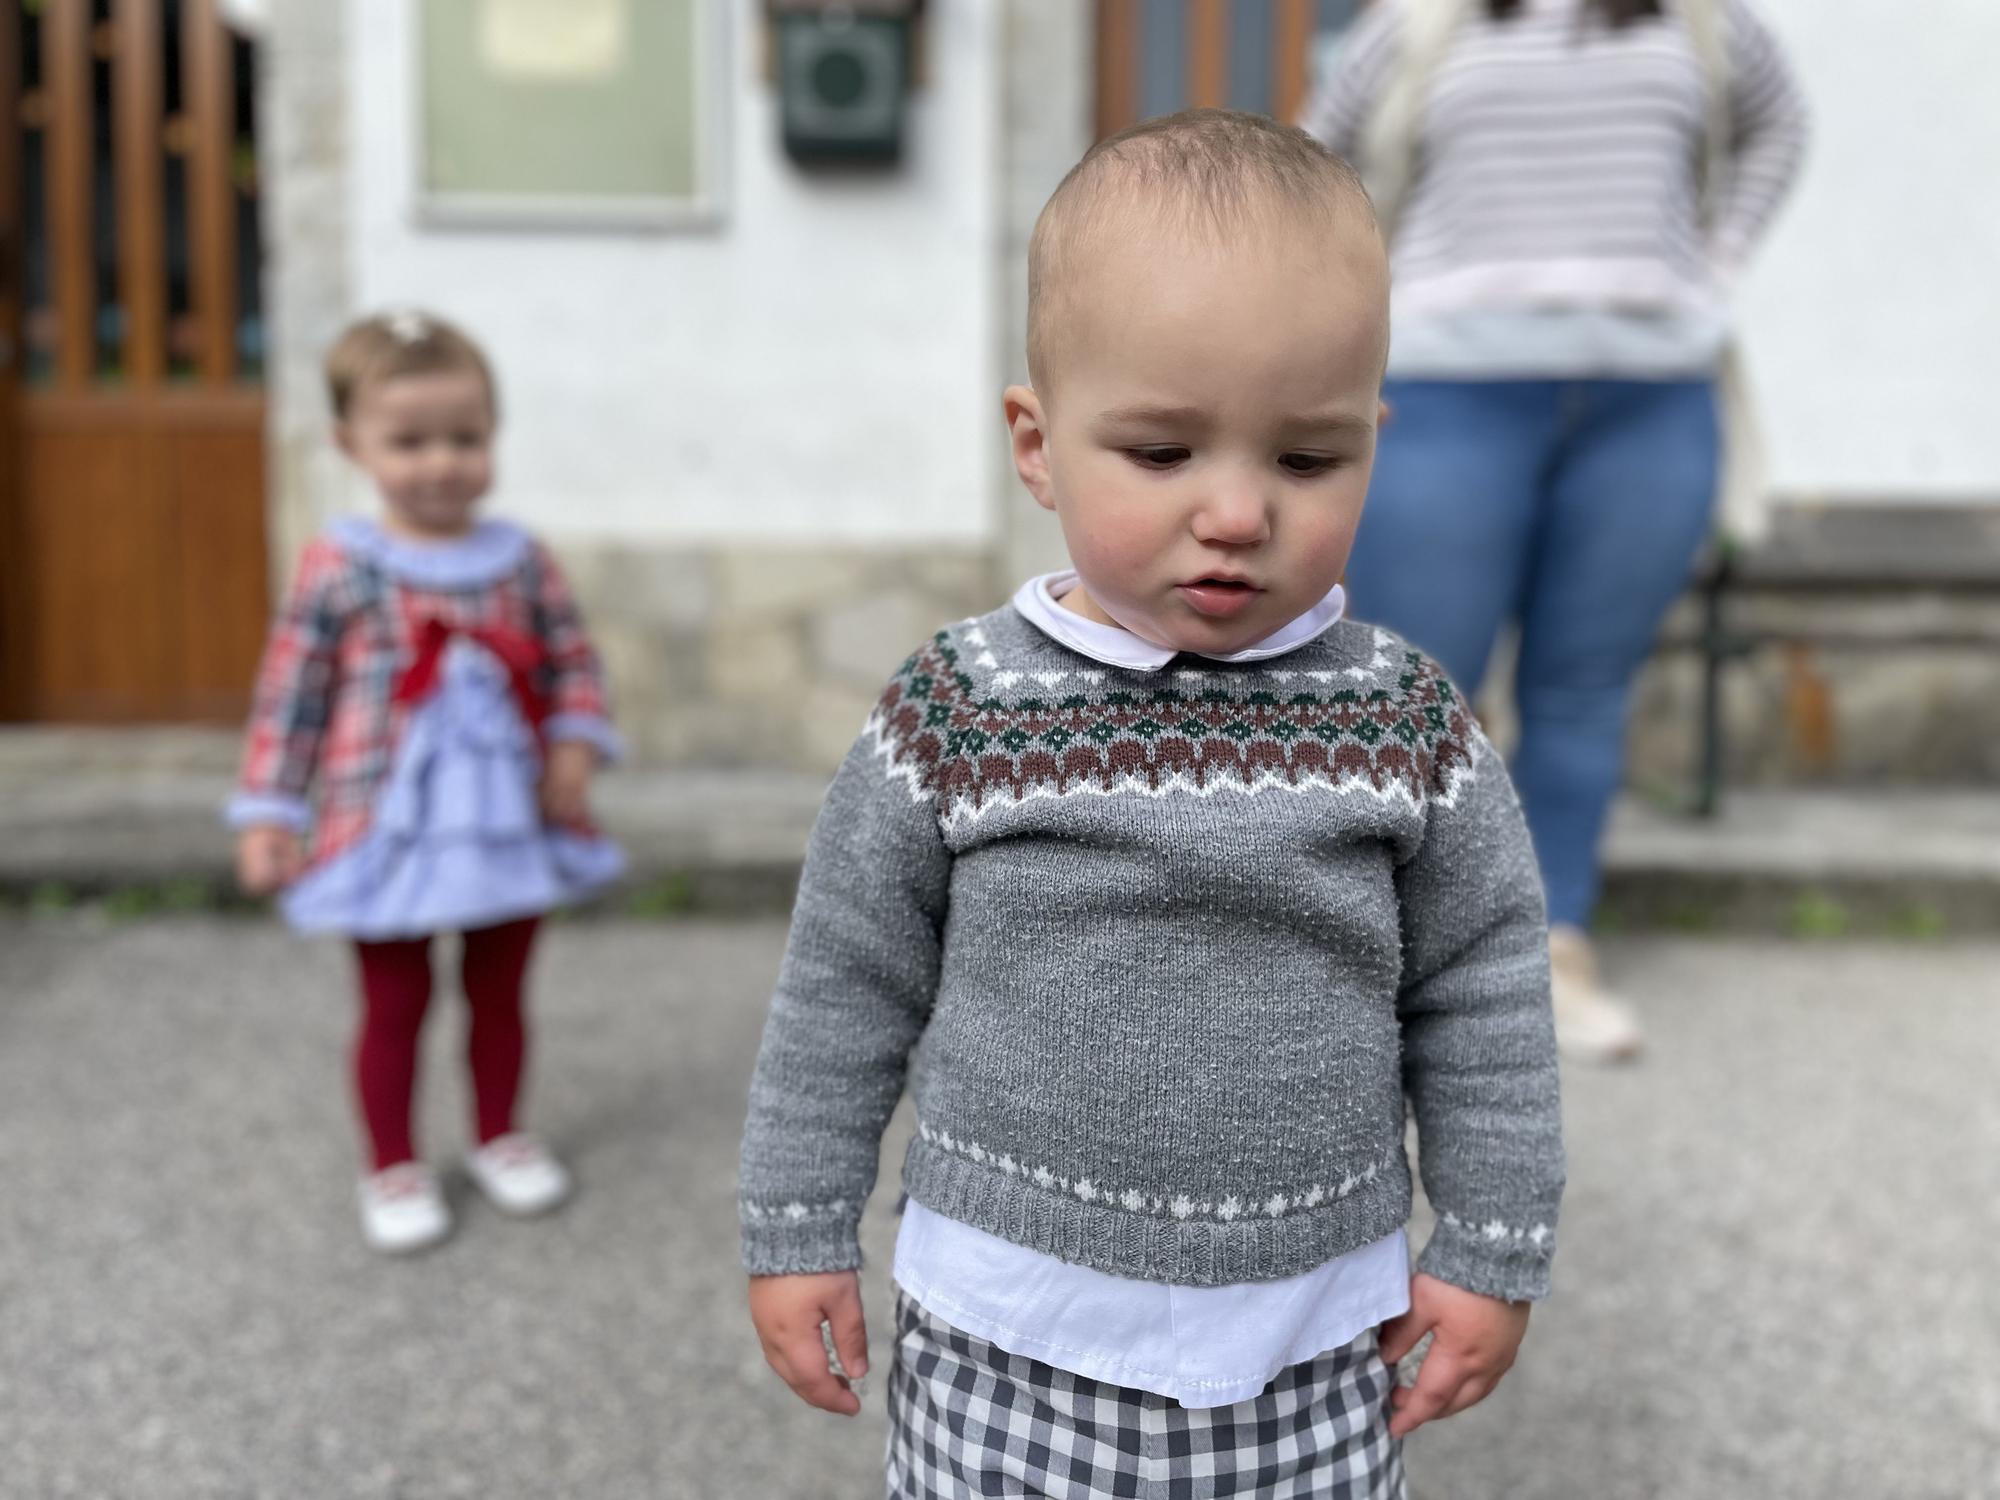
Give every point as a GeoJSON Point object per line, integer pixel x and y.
{"type": "Point", "coordinates": [323, 722]}
{"type": "Point", "coordinates": [966, 1418]}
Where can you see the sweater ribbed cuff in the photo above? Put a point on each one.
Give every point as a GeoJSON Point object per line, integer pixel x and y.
{"type": "Point", "coordinates": [810, 1247]}
{"type": "Point", "coordinates": [1490, 1259]}
{"type": "Point", "coordinates": [255, 809]}
{"type": "Point", "coordinates": [590, 729]}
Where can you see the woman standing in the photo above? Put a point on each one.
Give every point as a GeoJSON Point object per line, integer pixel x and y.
{"type": "Point", "coordinates": [1570, 188]}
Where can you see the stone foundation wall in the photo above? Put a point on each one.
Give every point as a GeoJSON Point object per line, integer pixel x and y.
{"type": "Point", "coordinates": [760, 658]}
{"type": "Point", "coordinates": [771, 659]}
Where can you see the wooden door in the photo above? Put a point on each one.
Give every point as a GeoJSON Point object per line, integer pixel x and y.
{"type": "Point", "coordinates": [1158, 56]}
{"type": "Point", "coordinates": [135, 558]}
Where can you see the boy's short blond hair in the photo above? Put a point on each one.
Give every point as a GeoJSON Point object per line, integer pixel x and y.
{"type": "Point", "coordinates": [388, 345]}
{"type": "Point", "coordinates": [1203, 171]}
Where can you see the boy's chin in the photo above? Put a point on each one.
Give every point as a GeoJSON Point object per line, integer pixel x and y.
{"type": "Point", "coordinates": [1172, 624]}
{"type": "Point", "coordinates": [1212, 637]}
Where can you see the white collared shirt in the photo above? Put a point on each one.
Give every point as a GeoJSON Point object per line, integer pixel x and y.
{"type": "Point", "coordinates": [1039, 600]}
{"type": "Point", "coordinates": [1200, 1346]}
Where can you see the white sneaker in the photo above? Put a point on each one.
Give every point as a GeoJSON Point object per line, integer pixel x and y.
{"type": "Point", "coordinates": [1591, 1026]}
{"type": "Point", "coordinates": [403, 1209]}
{"type": "Point", "coordinates": [519, 1174]}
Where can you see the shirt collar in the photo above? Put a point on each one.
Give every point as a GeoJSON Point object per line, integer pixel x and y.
{"type": "Point", "coordinates": [491, 551]}
{"type": "Point", "coordinates": [1116, 647]}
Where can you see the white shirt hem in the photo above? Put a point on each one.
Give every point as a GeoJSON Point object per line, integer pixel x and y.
{"type": "Point", "coordinates": [1200, 1346]}
{"type": "Point", "coordinates": [1355, 1319]}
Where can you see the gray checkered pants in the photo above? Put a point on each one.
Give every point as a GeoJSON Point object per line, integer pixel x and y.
{"type": "Point", "coordinates": [968, 1419]}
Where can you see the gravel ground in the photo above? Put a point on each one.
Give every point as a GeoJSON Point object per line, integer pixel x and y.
{"type": "Point", "coordinates": [1777, 1278]}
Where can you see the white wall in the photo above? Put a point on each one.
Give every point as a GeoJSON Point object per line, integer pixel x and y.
{"type": "Point", "coordinates": [1872, 319]}
{"type": "Point", "coordinates": [822, 368]}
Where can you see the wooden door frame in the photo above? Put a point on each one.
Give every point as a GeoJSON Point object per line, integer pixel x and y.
{"type": "Point", "coordinates": [134, 567]}
{"type": "Point", "coordinates": [14, 611]}
{"type": "Point", "coordinates": [1208, 25]}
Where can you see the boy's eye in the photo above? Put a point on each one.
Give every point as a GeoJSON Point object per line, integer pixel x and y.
{"type": "Point", "coordinates": [1307, 464]}
{"type": "Point", "coordinates": [1164, 457]}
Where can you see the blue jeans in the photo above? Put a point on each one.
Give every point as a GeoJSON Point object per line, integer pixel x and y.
{"type": "Point", "coordinates": [1576, 507]}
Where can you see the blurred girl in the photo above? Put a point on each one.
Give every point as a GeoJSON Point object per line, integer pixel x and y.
{"type": "Point", "coordinates": [431, 709]}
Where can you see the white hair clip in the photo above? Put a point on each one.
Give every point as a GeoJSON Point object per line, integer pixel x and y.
{"type": "Point", "coordinates": [407, 327]}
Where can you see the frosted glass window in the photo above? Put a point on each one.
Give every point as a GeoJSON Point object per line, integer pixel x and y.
{"type": "Point", "coordinates": [571, 110]}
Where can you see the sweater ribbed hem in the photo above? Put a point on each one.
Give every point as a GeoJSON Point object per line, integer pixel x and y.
{"type": "Point", "coordinates": [776, 1248]}
{"type": "Point", "coordinates": [1149, 1248]}
{"type": "Point", "coordinates": [1500, 1264]}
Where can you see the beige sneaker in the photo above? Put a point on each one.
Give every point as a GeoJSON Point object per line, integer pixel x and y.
{"type": "Point", "coordinates": [1591, 1026]}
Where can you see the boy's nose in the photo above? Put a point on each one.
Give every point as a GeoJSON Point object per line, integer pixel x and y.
{"type": "Point", "coordinates": [1235, 516]}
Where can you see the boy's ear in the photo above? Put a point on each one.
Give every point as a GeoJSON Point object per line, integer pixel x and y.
{"type": "Point", "coordinates": [1027, 434]}
{"type": "Point", "coordinates": [343, 438]}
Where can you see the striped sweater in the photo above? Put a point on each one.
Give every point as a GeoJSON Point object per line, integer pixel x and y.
{"type": "Point", "coordinates": [1558, 159]}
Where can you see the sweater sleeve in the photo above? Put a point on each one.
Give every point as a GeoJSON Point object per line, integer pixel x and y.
{"type": "Point", "coordinates": [1768, 138]}
{"type": "Point", "coordinates": [853, 996]}
{"type": "Point", "coordinates": [293, 698]}
{"type": "Point", "coordinates": [578, 701]}
{"type": "Point", "coordinates": [1341, 101]}
{"type": "Point", "coordinates": [1479, 1060]}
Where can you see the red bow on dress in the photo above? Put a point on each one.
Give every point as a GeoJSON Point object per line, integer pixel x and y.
{"type": "Point", "coordinates": [520, 653]}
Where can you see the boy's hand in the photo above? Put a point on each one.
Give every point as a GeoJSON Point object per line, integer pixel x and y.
{"type": "Point", "coordinates": [788, 1311]}
{"type": "Point", "coordinates": [268, 855]}
{"type": "Point", "coordinates": [1477, 1338]}
{"type": "Point", "coordinates": [566, 773]}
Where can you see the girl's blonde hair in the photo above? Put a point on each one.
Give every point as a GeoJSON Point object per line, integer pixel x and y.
{"type": "Point", "coordinates": [388, 345]}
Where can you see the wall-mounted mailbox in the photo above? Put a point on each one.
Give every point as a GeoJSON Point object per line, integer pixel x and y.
{"type": "Point", "coordinates": [844, 73]}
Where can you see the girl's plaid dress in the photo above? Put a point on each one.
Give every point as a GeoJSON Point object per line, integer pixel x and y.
{"type": "Point", "coordinates": [327, 727]}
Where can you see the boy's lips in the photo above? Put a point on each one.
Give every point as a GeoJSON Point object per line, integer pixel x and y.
{"type": "Point", "coordinates": [1219, 598]}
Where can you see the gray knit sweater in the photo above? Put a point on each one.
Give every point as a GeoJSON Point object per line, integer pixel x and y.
{"type": "Point", "coordinates": [1162, 953]}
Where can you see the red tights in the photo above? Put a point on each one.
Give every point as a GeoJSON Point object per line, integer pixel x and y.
{"type": "Point", "coordinates": [395, 993]}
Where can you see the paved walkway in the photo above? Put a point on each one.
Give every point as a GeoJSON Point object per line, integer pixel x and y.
{"type": "Point", "coordinates": [1777, 1278]}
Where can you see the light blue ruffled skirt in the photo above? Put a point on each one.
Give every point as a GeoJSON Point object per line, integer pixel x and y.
{"type": "Point", "coordinates": [457, 839]}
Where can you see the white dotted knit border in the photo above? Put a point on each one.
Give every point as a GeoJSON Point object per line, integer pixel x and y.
{"type": "Point", "coordinates": [1494, 1232]}
{"type": "Point", "coordinates": [1134, 1200]}
{"type": "Point", "coordinates": [797, 1213]}
{"type": "Point", "coordinates": [976, 638]}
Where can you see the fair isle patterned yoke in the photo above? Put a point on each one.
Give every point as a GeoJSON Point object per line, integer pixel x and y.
{"type": "Point", "coordinates": [1402, 728]}
{"type": "Point", "coordinates": [1160, 955]}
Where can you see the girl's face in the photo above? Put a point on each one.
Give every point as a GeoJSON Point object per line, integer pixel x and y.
{"type": "Point", "coordinates": [427, 442]}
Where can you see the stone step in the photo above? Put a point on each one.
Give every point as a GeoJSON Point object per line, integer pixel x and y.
{"type": "Point", "coordinates": [1813, 861]}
